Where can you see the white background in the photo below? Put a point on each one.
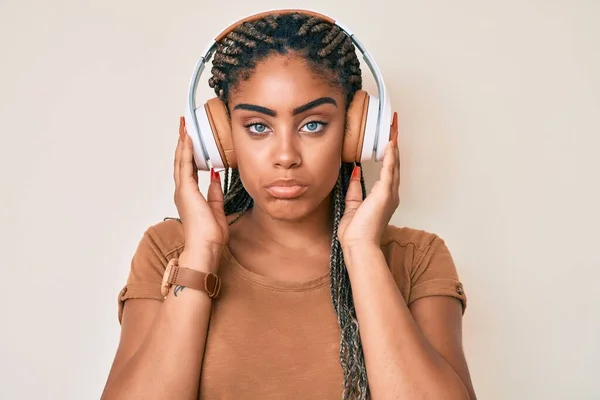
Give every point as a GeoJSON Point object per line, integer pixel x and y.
{"type": "Point", "coordinates": [499, 106]}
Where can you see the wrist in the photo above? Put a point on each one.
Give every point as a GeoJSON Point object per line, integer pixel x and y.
{"type": "Point", "coordinates": [205, 260]}
{"type": "Point", "coordinates": [360, 253]}
{"type": "Point", "coordinates": [359, 246]}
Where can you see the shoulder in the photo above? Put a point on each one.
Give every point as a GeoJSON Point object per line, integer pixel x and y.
{"type": "Point", "coordinates": [166, 236]}
{"type": "Point", "coordinates": [417, 239]}
{"type": "Point", "coordinates": [405, 247]}
{"type": "Point", "coordinates": [413, 247]}
{"type": "Point", "coordinates": [160, 242]}
{"type": "Point", "coordinates": [421, 263]}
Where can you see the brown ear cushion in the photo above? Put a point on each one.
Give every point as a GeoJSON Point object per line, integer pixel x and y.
{"type": "Point", "coordinates": [356, 120]}
{"type": "Point", "coordinates": [221, 127]}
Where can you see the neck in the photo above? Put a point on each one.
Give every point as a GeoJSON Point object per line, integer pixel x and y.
{"type": "Point", "coordinates": [313, 230]}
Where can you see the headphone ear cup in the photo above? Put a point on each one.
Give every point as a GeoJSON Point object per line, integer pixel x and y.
{"type": "Point", "coordinates": [220, 125]}
{"type": "Point", "coordinates": [356, 121]}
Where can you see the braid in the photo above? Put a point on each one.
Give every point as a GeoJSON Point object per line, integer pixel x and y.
{"type": "Point", "coordinates": [330, 52]}
{"type": "Point", "coordinates": [249, 30]}
{"type": "Point", "coordinates": [324, 45]}
{"type": "Point", "coordinates": [351, 355]}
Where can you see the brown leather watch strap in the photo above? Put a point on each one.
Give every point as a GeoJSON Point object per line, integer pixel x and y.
{"type": "Point", "coordinates": [205, 282]}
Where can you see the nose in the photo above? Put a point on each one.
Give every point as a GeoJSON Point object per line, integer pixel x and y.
{"type": "Point", "coordinates": [287, 151]}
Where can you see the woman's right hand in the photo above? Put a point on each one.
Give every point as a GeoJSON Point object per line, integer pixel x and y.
{"type": "Point", "coordinates": [204, 222]}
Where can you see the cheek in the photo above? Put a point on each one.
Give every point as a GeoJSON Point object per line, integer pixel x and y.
{"type": "Point", "coordinates": [251, 163]}
{"type": "Point", "coordinates": [327, 169]}
{"type": "Point", "coordinates": [324, 162]}
{"type": "Point", "coordinates": [326, 152]}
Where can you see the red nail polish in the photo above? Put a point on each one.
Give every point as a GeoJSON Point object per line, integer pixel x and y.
{"type": "Point", "coordinates": [214, 175]}
{"type": "Point", "coordinates": [355, 172]}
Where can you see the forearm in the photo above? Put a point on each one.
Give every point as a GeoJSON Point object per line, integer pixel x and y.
{"type": "Point", "coordinates": [399, 360]}
{"type": "Point", "coordinates": [168, 362]}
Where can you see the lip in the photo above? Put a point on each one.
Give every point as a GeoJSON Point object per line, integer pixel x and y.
{"type": "Point", "coordinates": [286, 188]}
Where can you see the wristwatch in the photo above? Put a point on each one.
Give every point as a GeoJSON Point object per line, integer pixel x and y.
{"type": "Point", "coordinates": [186, 277]}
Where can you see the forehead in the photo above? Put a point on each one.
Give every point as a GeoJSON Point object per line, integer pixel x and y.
{"type": "Point", "coordinates": [284, 82]}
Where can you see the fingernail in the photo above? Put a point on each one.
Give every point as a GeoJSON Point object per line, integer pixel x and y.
{"type": "Point", "coordinates": [181, 125]}
{"type": "Point", "coordinates": [214, 175]}
{"type": "Point", "coordinates": [355, 172]}
{"type": "Point", "coordinates": [182, 121]}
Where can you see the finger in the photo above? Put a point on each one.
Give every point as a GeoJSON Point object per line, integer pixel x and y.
{"type": "Point", "coordinates": [186, 161]}
{"type": "Point", "coordinates": [215, 193]}
{"type": "Point", "coordinates": [394, 129]}
{"type": "Point", "coordinates": [178, 152]}
{"type": "Point", "coordinates": [354, 193]}
{"type": "Point", "coordinates": [194, 167]}
{"type": "Point", "coordinates": [394, 136]}
{"type": "Point", "coordinates": [390, 170]}
{"type": "Point", "coordinates": [396, 175]}
{"type": "Point", "coordinates": [386, 176]}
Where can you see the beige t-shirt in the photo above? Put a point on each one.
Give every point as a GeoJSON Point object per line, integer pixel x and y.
{"type": "Point", "coordinates": [278, 340]}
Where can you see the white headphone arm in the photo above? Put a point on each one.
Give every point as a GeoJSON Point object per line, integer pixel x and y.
{"type": "Point", "coordinates": [379, 115]}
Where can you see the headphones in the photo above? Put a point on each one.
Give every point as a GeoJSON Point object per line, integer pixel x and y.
{"type": "Point", "coordinates": [367, 122]}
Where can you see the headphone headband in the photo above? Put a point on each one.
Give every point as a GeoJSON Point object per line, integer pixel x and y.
{"type": "Point", "coordinates": [384, 114]}
{"type": "Point", "coordinates": [258, 16]}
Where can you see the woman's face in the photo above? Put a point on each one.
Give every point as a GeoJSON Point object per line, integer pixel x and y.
{"type": "Point", "coordinates": [287, 127]}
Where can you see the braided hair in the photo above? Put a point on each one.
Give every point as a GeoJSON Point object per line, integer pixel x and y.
{"type": "Point", "coordinates": [331, 53]}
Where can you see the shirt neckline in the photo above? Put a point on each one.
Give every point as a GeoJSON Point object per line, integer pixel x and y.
{"type": "Point", "coordinates": [270, 283]}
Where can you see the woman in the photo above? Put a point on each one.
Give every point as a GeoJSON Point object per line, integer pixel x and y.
{"type": "Point", "coordinates": [318, 291]}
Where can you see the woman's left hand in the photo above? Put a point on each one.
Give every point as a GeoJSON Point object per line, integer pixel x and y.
{"type": "Point", "coordinates": [363, 222]}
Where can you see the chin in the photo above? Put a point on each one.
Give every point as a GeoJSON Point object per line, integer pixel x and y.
{"type": "Point", "coordinates": [288, 210]}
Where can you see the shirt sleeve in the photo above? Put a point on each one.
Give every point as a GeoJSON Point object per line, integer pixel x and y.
{"type": "Point", "coordinates": [146, 272]}
{"type": "Point", "coordinates": [435, 274]}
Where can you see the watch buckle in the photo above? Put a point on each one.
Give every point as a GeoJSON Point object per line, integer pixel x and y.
{"type": "Point", "coordinates": [212, 285]}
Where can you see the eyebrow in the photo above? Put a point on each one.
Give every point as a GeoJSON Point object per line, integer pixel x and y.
{"type": "Point", "coordinates": [296, 111]}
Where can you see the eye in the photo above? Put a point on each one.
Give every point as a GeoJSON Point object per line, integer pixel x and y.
{"type": "Point", "coordinates": [257, 128]}
{"type": "Point", "coordinates": [314, 126]}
